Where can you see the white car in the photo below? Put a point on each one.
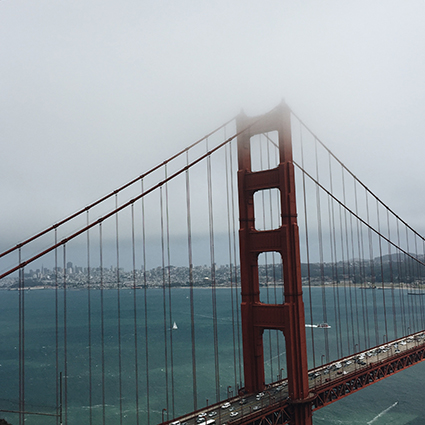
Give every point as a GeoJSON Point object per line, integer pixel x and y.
{"type": "Point", "coordinates": [201, 418]}
{"type": "Point", "coordinates": [225, 405]}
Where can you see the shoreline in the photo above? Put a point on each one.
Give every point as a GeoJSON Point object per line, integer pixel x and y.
{"type": "Point", "coordinates": [404, 286]}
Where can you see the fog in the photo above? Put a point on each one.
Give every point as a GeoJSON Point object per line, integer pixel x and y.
{"type": "Point", "coordinates": [93, 93]}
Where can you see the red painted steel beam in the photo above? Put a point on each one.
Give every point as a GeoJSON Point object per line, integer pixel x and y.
{"type": "Point", "coordinates": [270, 316]}
{"type": "Point", "coordinates": [257, 316]}
{"type": "Point", "coordinates": [336, 389]}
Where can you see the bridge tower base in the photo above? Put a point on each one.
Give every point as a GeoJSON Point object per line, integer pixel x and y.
{"type": "Point", "coordinates": [257, 316]}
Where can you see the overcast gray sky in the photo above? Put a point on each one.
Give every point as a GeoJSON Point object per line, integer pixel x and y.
{"type": "Point", "coordinates": [93, 93]}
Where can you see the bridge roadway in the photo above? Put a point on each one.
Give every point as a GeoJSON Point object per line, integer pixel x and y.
{"type": "Point", "coordinates": [347, 372]}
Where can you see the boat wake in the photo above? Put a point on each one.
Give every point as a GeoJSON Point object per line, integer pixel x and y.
{"type": "Point", "coordinates": [275, 357]}
{"type": "Point", "coordinates": [382, 413]}
{"type": "Point", "coordinates": [320, 325]}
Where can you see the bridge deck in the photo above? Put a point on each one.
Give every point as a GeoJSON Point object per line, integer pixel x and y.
{"type": "Point", "coordinates": [328, 384]}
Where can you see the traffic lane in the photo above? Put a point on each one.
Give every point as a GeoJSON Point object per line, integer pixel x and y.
{"type": "Point", "coordinates": [363, 359]}
{"type": "Point", "coordinates": [233, 411]}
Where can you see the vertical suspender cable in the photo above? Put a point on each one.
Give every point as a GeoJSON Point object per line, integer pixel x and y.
{"type": "Point", "coordinates": [136, 356]}
{"type": "Point", "coordinates": [192, 309]}
{"type": "Point", "coordinates": [400, 282]}
{"type": "Point", "coordinates": [382, 272]}
{"type": "Point", "coordinates": [307, 249]}
{"type": "Point", "coordinates": [409, 279]}
{"type": "Point", "coordinates": [145, 285]}
{"type": "Point", "coordinates": [412, 274]}
{"type": "Point", "coordinates": [415, 299]}
{"type": "Point", "coordinates": [238, 325]}
{"type": "Point", "coordinates": [415, 277]}
{"type": "Point", "coordinates": [164, 301]}
{"type": "Point", "coordinates": [21, 297]}
{"type": "Point", "coordinates": [170, 312]}
{"type": "Point", "coordinates": [372, 272]}
{"type": "Point", "coordinates": [213, 275]}
{"type": "Point", "coordinates": [343, 275]}
{"type": "Point", "coordinates": [89, 323]}
{"type": "Point", "coordinates": [102, 323]}
{"type": "Point", "coordinates": [363, 262]}
{"type": "Point", "coordinates": [65, 335]}
{"type": "Point", "coordinates": [416, 283]}
{"type": "Point", "coordinates": [420, 270]}
{"type": "Point", "coordinates": [392, 277]}
{"type": "Point", "coordinates": [320, 241]}
{"type": "Point", "coordinates": [350, 286]}
{"type": "Point", "coordinates": [335, 278]}
{"type": "Point", "coordinates": [362, 279]}
{"type": "Point", "coordinates": [23, 342]}
{"type": "Point", "coordinates": [422, 281]}
{"type": "Point", "coordinates": [232, 264]}
{"type": "Point", "coordinates": [118, 310]}
{"type": "Point", "coordinates": [58, 387]}
{"type": "Point", "coordinates": [354, 280]}
{"type": "Point", "coordinates": [411, 285]}
{"type": "Point", "coordinates": [420, 313]}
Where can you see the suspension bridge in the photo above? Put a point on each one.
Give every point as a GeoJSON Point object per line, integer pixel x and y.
{"type": "Point", "coordinates": [249, 279]}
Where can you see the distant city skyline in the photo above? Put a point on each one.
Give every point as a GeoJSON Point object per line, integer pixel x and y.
{"type": "Point", "coordinates": [395, 270]}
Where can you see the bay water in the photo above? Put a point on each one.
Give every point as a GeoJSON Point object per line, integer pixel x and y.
{"type": "Point", "coordinates": [104, 365]}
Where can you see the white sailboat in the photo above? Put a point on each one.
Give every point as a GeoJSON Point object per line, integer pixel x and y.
{"type": "Point", "coordinates": [175, 326]}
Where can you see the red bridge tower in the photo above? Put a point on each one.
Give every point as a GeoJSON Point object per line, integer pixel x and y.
{"type": "Point", "coordinates": [257, 316]}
